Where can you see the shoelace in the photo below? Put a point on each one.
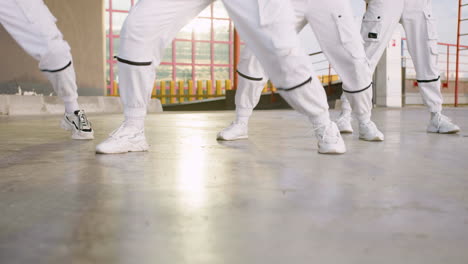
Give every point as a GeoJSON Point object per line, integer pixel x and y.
{"type": "Point", "coordinates": [342, 118]}
{"type": "Point", "coordinates": [82, 120]}
{"type": "Point", "coordinates": [441, 118]}
{"type": "Point", "coordinates": [116, 133]}
{"type": "Point", "coordinates": [324, 135]}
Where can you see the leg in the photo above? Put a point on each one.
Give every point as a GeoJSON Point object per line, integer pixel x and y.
{"type": "Point", "coordinates": [378, 25]}
{"type": "Point", "coordinates": [252, 79]}
{"type": "Point", "coordinates": [421, 33]}
{"type": "Point", "coordinates": [379, 22]}
{"type": "Point", "coordinates": [268, 29]}
{"type": "Point", "coordinates": [273, 40]}
{"type": "Point", "coordinates": [338, 35]}
{"type": "Point", "coordinates": [149, 28]}
{"type": "Point", "coordinates": [420, 27]}
{"type": "Point", "coordinates": [32, 25]}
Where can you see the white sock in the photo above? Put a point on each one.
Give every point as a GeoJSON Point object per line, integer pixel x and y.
{"type": "Point", "coordinates": [243, 119]}
{"type": "Point", "coordinates": [364, 118]}
{"type": "Point", "coordinates": [320, 120]}
{"type": "Point", "coordinates": [345, 113]}
{"type": "Point", "coordinates": [433, 114]}
{"type": "Point", "coordinates": [137, 122]}
{"type": "Point", "coordinates": [71, 107]}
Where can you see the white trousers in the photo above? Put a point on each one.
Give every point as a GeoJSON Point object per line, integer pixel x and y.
{"type": "Point", "coordinates": [265, 25]}
{"type": "Point", "coordinates": [378, 25]}
{"type": "Point", "coordinates": [338, 35]}
{"type": "Point", "coordinates": [33, 27]}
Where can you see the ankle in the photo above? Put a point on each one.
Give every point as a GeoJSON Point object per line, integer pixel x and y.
{"type": "Point", "coordinates": [242, 120]}
{"type": "Point", "coordinates": [71, 107]}
{"type": "Point", "coordinates": [136, 122]}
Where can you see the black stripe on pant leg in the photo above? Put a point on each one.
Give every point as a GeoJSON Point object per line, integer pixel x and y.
{"type": "Point", "coordinates": [362, 90]}
{"type": "Point", "coordinates": [428, 81]}
{"type": "Point", "coordinates": [133, 62]}
{"type": "Point", "coordinates": [248, 77]}
{"type": "Point", "coordinates": [61, 69]}
{"type": "Point", "coordinates": [297, 86]}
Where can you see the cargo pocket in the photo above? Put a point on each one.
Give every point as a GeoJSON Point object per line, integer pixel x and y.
{"type": "Point", "coordinates": [431, 29]}
{"type": "Point", "coordinates": [349, 35]}
{"type": "Point", "coordinates": [430, 26]}
{"type": "Point", "coordinates": [371, 28]}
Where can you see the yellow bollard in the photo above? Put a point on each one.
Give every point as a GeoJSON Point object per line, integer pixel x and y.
{"type": "Point", "coordinates": [115, 89]}
{"type": "Point", "coordinates": [181, 91]}
{"type": "Point", "coordinates": [273, 88]}
{"type": "Point", "coordinates": [219, 89]}
{"type": "Point", "coordinates": [172, 92]}
{"type": "Point", "coordinates": [265, 88]}
{"type": "Point", "coordinates": [154, 93]}
{"type": "Point", "coordinates": [163, 92]}
{"type": "Point", "coordinates": [209, 88]}
{"type": "Point", "coordinates": [190, 90]}
{"type": "Point", "coordinates": [200, 90]}
{"type": "Point", "coordinates": [228, 85]}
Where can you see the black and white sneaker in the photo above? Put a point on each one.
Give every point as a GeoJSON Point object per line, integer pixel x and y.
{"type": "Point", "coordinates": [78, 124]}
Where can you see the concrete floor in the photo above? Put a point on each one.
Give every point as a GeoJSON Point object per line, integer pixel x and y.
{"type": "Point", "coordinates": [269, 199]}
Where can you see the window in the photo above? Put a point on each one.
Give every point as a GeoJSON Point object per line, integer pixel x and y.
{"type": "Point", "coordinates": [202, 50]}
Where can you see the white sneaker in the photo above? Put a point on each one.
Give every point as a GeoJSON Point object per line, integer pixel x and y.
{"type": "Point", "coordinates": [330, 140]}
{"type": "Point", "coordinates": [344, 123]}
{"type": "Point", "coordinates": [122, 140]}
{"type": "Point", "coordinates": [235, 131]}
{"type": "Point", "coordinates": [442, 124]}
{"type": "Point", "coordinates": [78, 124]}
{"type": "Point", "coordinates": [368, 131]}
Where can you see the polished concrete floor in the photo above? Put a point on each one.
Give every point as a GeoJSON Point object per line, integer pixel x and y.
{"type": "Point", "coordinates": [269, 199]}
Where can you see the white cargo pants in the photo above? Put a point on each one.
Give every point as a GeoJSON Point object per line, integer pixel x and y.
{"type": "Point", "coordinates": [338, 35]}
{"type": "Point", "coordinates": [266, 26]}
{"type": "Point", "coordinates": [32, 25]}
{"type": "Point", "coordinates": [378, 25]}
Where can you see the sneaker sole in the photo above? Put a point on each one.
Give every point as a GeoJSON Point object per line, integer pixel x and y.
{"type": "Point", "coordinates": [123, 152]}
{"type": "Point", "coordinates": [331, 151]}
{"type": "Point", "coordinates": [448, 132]}
{"type": "Point", "coordinates": [232, 139]}
{"type": "Point", "coordinates": [376, 139]}
{"type": "Point", "coordinates": [143, 149]}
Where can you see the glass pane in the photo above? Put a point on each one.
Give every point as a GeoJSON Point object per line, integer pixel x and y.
{"type": "Point", "coordinates": [116, 46]}
{"type": "Point", "coordinates": [116, 73]}
{"type": "Point", "coordinates": [107, 48]}
{"type": "Point", "coordinates": [202, 73]}
{"type": "Point", "coordinates": [164, 73]}
{"type": "Point", "coordinates": [106, 22]}
{"type": "Point", "coordinates": [221, 73]}
{"type": "Point", "coordinates": [206, 12]}
{"type": "Point", "coordinates": [184, 51]}
{"type": "Point", "coordinates": [107, 74]}
{"type": "Point", "coordinates": [183, 73]}
{"type": "Point", "coordinates": [202, 28]}
{"type": "Point", "coordinates": [221, 54]}
{"type": "Point", "coordinates": [203, 54]}
{"type": "Point", "coordinates": [221, 30]}
{"type": "Point", "coordinates": [121, 4]}
{"type": "Point", "coordinates": [219, 10]}
{"type": "Point", "coordinates": [117, 21]}
{"type": "Point", "coordinates": [186, 31]}
{"type": "Point", "coordinates": [167, 54]}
